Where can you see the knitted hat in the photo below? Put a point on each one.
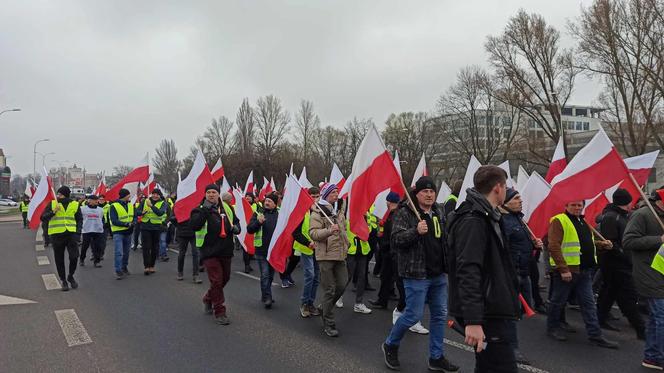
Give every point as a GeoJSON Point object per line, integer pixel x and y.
{"type": "Point", "coordinates": [510, 194]}
{"type": "Point", "coordinates": [93, 197]}
{"type": "Point", "coordinates": [424, 182]}
{"type": "Point", "coordinates": [273, 196]}
{"type": "Point", "coordinates": [65, 191]}
{"type": "Point", "coordinates": [327, 189]}
{"type": "Point", "coordinates": [123, 193]}
{"type": "Point", "coordinates": [393, 197]}
{"type": "Point", "coordinates": [621, 197]}
{"type": "Point", "coordinates": [212, 187]}
{"type": "Point", "coordinates": [157, 191]}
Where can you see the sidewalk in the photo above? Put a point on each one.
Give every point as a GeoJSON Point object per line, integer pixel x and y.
{"type": "Point", "coordinates": [10, 218]}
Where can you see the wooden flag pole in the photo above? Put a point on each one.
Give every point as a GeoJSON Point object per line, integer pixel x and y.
{"type": "Point", "coordinates": [647, 201]}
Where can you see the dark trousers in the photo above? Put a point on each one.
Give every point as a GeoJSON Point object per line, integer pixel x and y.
{"type": "Point", "coordinates": [387, 277]}
{"type": "Point", "coordinates": [357, 272]}
{"type": "Point", "coordinates": [150, 245]}
{"type": "Point", "coordinates": [95, 240]}
{"type": "Point", "coordinates": [618, 286]}
{"type": "Point", "coordinates": [136, 234]}
{"type": "Point", "coordinates": [219, 273]}
{"type": "Point", "coordinates": [246, 257]}
{"type": "Point", "coordinates": [498, 357]}
{"type": "Point", "coordinates": [47, 238]}
{"type": "Point", "coordinates": [183, 243]}
{"type": "Point", "coordinates": [534, 283]}
{"type": "Point", "coordinates": [293, 261]}
{"type": "Point", "coordinates": [62, 242]}
{"type": "Point", "coordinates": [25, 219]}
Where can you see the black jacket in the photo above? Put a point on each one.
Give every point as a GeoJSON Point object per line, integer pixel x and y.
{"type": "Point", "coordinates": [613, 222]}
{"type": "Point", "coordinates": [418, 256]}
{"type": "Point", "coordinates": [268, 227]}
{"type": "Point", "coordinates": [48, 213]}
{"type": "Point", "coordinates": [518, 241]}
{"type": "Point", "coordinates": [183, 229]}
{"type": "Point", "coordinates": [384, 239]}
{"type": "Point", "coordinates": [482, 279]}
{"type": "Point", "coordinates": [214, 245]}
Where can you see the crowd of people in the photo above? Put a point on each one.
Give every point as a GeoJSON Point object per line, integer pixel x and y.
{"type": "Point", "coordinates": [476, 263]}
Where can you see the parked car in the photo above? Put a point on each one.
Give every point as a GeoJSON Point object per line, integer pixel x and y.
{"type": "Point", "coordinates": [8, 202]}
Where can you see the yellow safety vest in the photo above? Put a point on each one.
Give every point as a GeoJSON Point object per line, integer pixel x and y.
{"type": "Point", "coordinates": [352, 249]}
{"type": "Point", "coordinates": [106, 208]}
{"type": "Point", "coordinates": [152, 218]}
{"type": "Point", "coordinates": [201, 233]}
{"type": "Point", "coordinates": [658, 260]}
{"type": "Point", "coordinates": [63, 220]}
{"type": "Point", "coordinates": [306, 250]}
{"type": "Point", "coordinates": [170, 203]}
{"type": "Point", "coordinates": [24, 206]}
{"type": "Point", "coordinates": [125, 216]}
{"type": "Point", "coordinates": [451, 197]}
{"type": "Point", "coordinates": [570, 246]}
{"type": "Point", "coordinates": [372, 220]}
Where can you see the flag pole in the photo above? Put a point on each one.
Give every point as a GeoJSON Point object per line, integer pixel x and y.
{"type": "Point", "coordinates": [646, 200]}
{"type": "Point", "coordinates": [319, 207]}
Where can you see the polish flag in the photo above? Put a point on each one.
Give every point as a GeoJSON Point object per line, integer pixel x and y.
{"type": "Point", "coordinates": [226, 188]}
{"type": "Point", "coordinates": [380, 203]}
{"type": "Point", "coordinates": [291, 169]}
{"type": "Point", "coordinates": [420, 171]}
{"type": "Point", "coordinates": [558, 162]}
{"type": "Point", "coordinates": [244, 212]}
{"type": "Point", "coordinates": [304, 181]}
{"type": "Point", "coordinates": [443, 192]}
{"type": "Point", "coordinates": [249, 186]}
{"type": "Point", "coordinates": [533, 193]}
{"type": "Point", "coordinates": [102, 189]}
{"type": "Point", "coordinates": [521, 178]}
{"type": "Point", "coordinates": [33, 188]}
{"type": "Point", "coordinates": [336, 177]}
{"type": "Point", "coordinates": [273, 185]}
{"type": "Point", "coordinates": [191, 190]}
{"type": "Point", "coordinates": [217, 171]}
{"type": "Point", "coordinates": [28, 188]}
{"type": "Point", "coordinates": [506, 167]}
{"type": "Point", "coordinates": [294, 207]}
{"type": "Point", "coordinates": [596, 167]}
{"type": "Point", "coordinates": [131, 181]}
{"type": "Point", "coordinates": [473, 166]}
{"type": "Point", "coordinates": [373, 172]}
{"type": "Point", "coordinates": [265, 190]}
{"type": "Point", "coordinates": [148, 186]}
{"type": "Point", "coordinates": [42, 197]}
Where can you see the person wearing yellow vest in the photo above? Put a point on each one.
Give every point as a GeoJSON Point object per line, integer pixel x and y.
{"type": "Point", "coordinates": [451, 201]}
{"type": "Point", "coordinates": [214, 224]}
{"type": "Point", "coordinates": [153, 213]}
{"type": "Point", "coordinates": [123, 221]}
{"type": "Point", "coordinates": [23, 208]}
{"type": "Point", "coordinates": [262, 226]}
{"type": "Point", "coordinates": [358, 255]}
{"type": "Point", "coordinates": [303, 245]}
{"type": "Point", "coordinates": [572, 250]}
{"type": "Point", "coordinates": [136, 242]}
{"type": "Point", "coordinates": [64, 226]}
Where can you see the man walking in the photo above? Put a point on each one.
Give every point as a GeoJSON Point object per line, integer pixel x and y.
{"type": "Point", "coordinates": [123, 221]}
{"type": "Point", "coordinates": [153, 211]}
{"type": "Point", "coordinates": [93, 230]}
{"type": "Point", "coordinates": [262, 226]}
{"type": "Point", "coordinates": [303, 244]}
{"type": "Point", "coordinates": [23, 208]}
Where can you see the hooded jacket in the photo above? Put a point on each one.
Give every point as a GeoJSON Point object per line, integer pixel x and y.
{"type": "Point", "coordinates": [643, 238]}
{"type": "Point", "coordinates": [613, 222]}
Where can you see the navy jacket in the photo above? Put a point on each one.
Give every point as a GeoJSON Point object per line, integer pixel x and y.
{"type": "Point", "coordinates": [518, 241]}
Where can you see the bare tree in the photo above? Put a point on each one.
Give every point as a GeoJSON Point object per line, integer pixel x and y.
{"type": "Point", "coordinates": [329, 143]}
{"type": "Point", "coordinates": [245, 129]}
{"type": "Point", "coordinates": [271, 124]}
{"type": "Point", "coordinates": [166, 164]}
{"type": "Point", "coordinates": [308, 125]}
{"type": "Point", "coordinates": [219, 137]}
{"type": "Point", "coordinates": [528, 59]}
{"type": "Point", "coordinates": [410, 134]}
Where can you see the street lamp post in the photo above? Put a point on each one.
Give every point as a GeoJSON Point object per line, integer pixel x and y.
{"type": "Point", "coordinates": [44, 157]}
{"type": "Point", "coordinates": [34, 157]}
{"type": "Point", "coordinates": [8, 110]}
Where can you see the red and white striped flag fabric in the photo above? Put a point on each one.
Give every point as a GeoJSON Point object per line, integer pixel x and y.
{"type": "Point", "coordinates": [265, 189]}
{"type": "Point", "coordinates": [420, 171]}
{"type": "Point", "coordinates": [102, 189]}
{"type": "Point", "coordinates": [273, 185]}
{"type": "Point", "coordinates": [149, 185]}
{"type": "Point", "coordinates": [191, 190]}
{"type": "Point", "coordinates": [42, 197]}
{"type": "Point", "coordinates": [304, 181]}
{"type": "Point", "coordinates": [380, 203]}
{"type": "Point", "coordinates": [28, 188]}
{"type": "Point", "coordinates": [217, 171]}
{"type": "Point", "coordinates": [249, 186]}
{"type": "Point", "coordinates": [533, 194]}
{"type": "Point", "coordinates": [336, 177]}
{"type": "Point", "coordinates": [294, 206]}
{"type": "Point", "coordinates": [130, 182]}
{"type": "Point", "coordinates": [558, 162]}
{"type": "Point", "coordinates": [244, 212]}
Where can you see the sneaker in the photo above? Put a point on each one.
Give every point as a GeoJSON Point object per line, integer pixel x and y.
{"type": "Point", "coordinates": [180, 276]}
{"type": "Point", "coordinates": [126, 272]}
{"type": "Point", "coordinates": [72, 282]}
{"type": "Point", "coordinates": [567, 327]}
{"type": "Point", "coordinates": [146, 271]}
{"type": "Point", "coordinates": [304, 311]}
{"type": "Point", "coordinates": [222, 320]}
{"type": "Point", "coordinates": [268, 303]}
{"type": "Point", "coordinates": [285, 284]}
{"type": "Point", "coordinates": [119, 275]}
{"type": "Point", "coordinates": [442, 365]}
{"type": "Point", "coordinates": [419, 329]}
{"type": "Point", "coordinates": [197, 280]}
{"type": "Point", "coordinates": [207, 308]}
{"type": "Point", "coordinates": [248, 269]}
{"type": "Point", "coordinates": [340, 303]}
{"type": "Point", "coordinates": [608, 326]}
{"type": "Point", "coordinates": [557, 334]}
{"type": "Point", "coordinates": [361, 308]}
{"type": "Point", "coordinates": [65, 286]}
{"type": "Point", "coordinates": [290, 281]}
{"type": "Point", "coordinates": [603, 342]}
{"type": "Point", "coordinates": [391, 355]}
{"type": "Point", "coordinates": [165, 258]}
{"type": "Point", "coordinates": [96, 265]}
{"type": "Point", "coordinates": [331, 331]}
{"type": "Point", "coordinates": [652, 365]}
{"type": "Point", "coordinates": [313, 311]}
{"type": "Point", "coordinates": [395, 316]}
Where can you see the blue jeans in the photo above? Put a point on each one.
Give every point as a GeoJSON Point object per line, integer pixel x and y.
{"type": "Point", "coordinates": [434, 292]}
{"type": "Point", "coordinates": [267, 275]}
{"type": "Point", "coordinates": [582, 285]}
{"type": "Point", "coordinates": [163, 247]}
{"type": "Point", "coordinates": [311, 279]}
{"type": "Point", "coordinates": [654, 349]}
{"type": "Point", "coordinates": [122, 244]}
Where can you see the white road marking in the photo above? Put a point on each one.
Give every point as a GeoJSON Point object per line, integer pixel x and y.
{"type": "Point", "coordinates": [43, 260]}
{"type": "Point", "coordinates": [39, 248]}
{"type": "Point", "coordinates": [72, 328]}
{"type": "Point", "coordinates": [175, 251]}
{"type": "Point", "coordinates": [51, 281]}
{"type": "Point", "coordinates": [6, 300]}
{"type": "Point", "coordinates": [253, 277]}
{"type": "Point", "coordinates": [465, 347]}
{"type": "Point", "coordinates": [39, 234]}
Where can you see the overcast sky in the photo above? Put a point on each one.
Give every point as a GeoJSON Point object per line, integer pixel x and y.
{"type": "Point", "coordinates": [107, 80]}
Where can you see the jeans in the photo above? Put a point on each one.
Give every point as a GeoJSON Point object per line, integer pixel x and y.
{"type": "Point", "coordinates": [581, 284]}
{"type": "Point", "coordinates": [498, 357]}
{"type": "Point", "coordinates": [163, 246]}
{"type": "Point", "coordinates": [183, 243]}
{"type": "Point", "coordinates": [333, 280]}
{"type": "Point", "coordinates": [654, 349]}
{"type": "Point", "coordinates": [526, 289]}
{"type": "Point", "coordinates": [122, 244]}
{"type": "Point", "coordinates": [311, 279]}
{"type": "Point", "coordinates": [267, 275]}
{"type": "Point", "coordinates": [434, 292]}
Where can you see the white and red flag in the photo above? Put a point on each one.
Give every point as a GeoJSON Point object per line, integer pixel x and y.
{"type": "Point", "coordinates": [294, 206]}
{"type": "Point", "coordinates": [244, 212]}
{"type": "Point", "coordinates": [249, 185]}
{"type": "Point", "coordinates": [217, 171]}
{"type": "Point", "coordinates": [273, 185]}
{"type": "Point", "coordinates": [265, 190]}
{"type": "Point", "coordinates": [149, 185]}
{"type": "Point", "coordinates": [420, 171]}
{"type": "Point", "coordinates": [304, 181]}
{"type": "Point", "coordinates": [29, 188]}
{"type": "Point", "coordinates": [336, 177]}
{"type": "Point", "coordinates": [191, 190]}
{"type": "Point", "coordinates": [558, 162]}
{"type": "Point", "coordinates": [102, 188]}
{"type": "Point", "coordinates": [42, 197]}
{"type": "Point", "coordinates": [130, 182]}
{"type": "Point", "coordinates": [380, 203]}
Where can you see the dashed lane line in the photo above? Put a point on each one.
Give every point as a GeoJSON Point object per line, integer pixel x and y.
{"type": "Point", "coordinates": [6, 300]}
{"type": "Point", "coordinates": [39, 248]}
{"type": "Point", "coordinates": [43, 260]}
{"type": "Point", "coordinates": [253, 277]}
{"type": "Point", "coordinates": [72, 328]}
{"type": "Point", "coordinates": [465, 347]}
{"type": "Point", "coordinates": [51, 281]}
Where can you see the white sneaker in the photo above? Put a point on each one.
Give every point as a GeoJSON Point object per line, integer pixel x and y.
{"type": "Point", "coordinates": [340, 303]}
{"type": "Point", "coordinates": [361, 308]}
{"type": "Point", "coordinates": [395, 316]}
{"type": "Point", "coordinates": [419, 329]}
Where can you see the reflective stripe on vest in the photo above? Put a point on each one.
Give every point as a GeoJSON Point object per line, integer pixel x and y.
{"type": "Point", "coordinates": [63, 220]}
{"type": "Point", "coordinates": [151, 217]}
{"type": "Point", "coordinates": [124, 216]}
{"type": "Point", "coordinates": [437, 232]}
{"type": "Point", "coordinates": [200, 234]}
{"type": "Point", "coordinates": [658, 260]}
{"type": "Point", "coordinates": [107, 208]}
{"type": "Point", "coordinates": [451, 197]}
{"type": "Point", "coordinates": [305, 232]}
{"type": "Point", "coordinates": [570, 246]}
{"type": "Point", "coordinates": [352, 239]}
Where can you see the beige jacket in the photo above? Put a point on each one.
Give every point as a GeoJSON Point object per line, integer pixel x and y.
{"type": "Point", "coordinates": [328, 246]}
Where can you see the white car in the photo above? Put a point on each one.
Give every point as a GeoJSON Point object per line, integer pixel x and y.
{"type": "Point", "coordinates": [7, 202]}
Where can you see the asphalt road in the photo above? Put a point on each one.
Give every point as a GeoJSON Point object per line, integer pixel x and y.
{"type": "Point", "coordinates": [157, 324]}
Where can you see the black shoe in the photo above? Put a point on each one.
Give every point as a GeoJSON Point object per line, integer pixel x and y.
{"type": "Point", "coordinates": [613, 317]}
{"type": "Point", "coordinates": [606, 325]}
{"type": "Point", "coordinates": [96, 265]}
{"type": "Point", "coordinates": [391, 355]}
{"type": "Point", "coordinates": [72, 282]}
{"type": "Point", "coordinates": [641, 334]}
{"type": "Point", "coordinates": [541, 309]}
{"type": "Point", "coordinates": [125, 271]}
{"type": "Point", "coordinates": [165, 259]}
{"type": "Point", "coordinates": [331, 331]}
{"type": "Point", "coordinates": [268, 303]}
{"type": "Point", "coordinates": [567, 327]}
{"type": "Point", "coordinates": [65, 286]}
{"type": "Point", "coordinates": [208, 308]}
{"type": "Point", "coordinates": [248, 269]}
{"type": "Point", "coordinates": [603, 342]}
{"type": "Point", "coordinates": [369, 288]}
{"type": "Point", "coordinates": [222, 320]}
{"type": "Point", "coordinates": [81, 263]}
{"type": "Point", "coordinates": [557, 334]}
{"type": "Point", "coordinates": [119, 275]}
{"type": "Point", "coordinates": [377, 304]}
{"type": "Point", "coordinates": [520, 358]}
{"type": "Point", "coordinates": [441, 365]}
